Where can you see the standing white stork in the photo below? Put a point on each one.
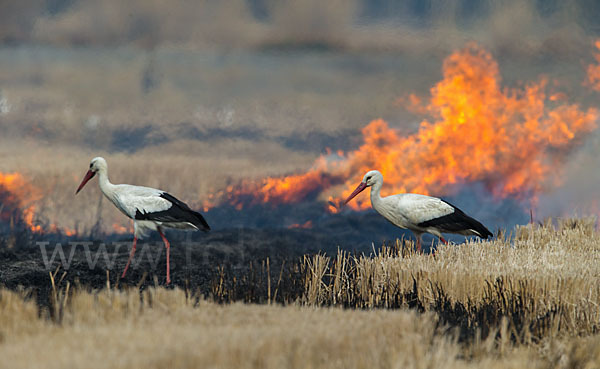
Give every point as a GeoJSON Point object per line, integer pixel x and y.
{"type": "Point", "coordinates": [419, 213]}
{"type": "Point", "coordinates": [150, 209]}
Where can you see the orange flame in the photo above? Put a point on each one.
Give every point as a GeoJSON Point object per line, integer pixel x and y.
{"type": "Point", "coordinates": [512, 140]}
{"type": "Point", "coordinates": [306, 225]}
{"type": "Point", "coordinates": [119, 228]}
{"type": "Point", "coordinates": [593, 70]}
{"type": "Point", "coordinates": [279, 190]}
{"type": "Point", "coordinates": [20, 195]}
{"type": "Point", "coordinates": [69, 232]}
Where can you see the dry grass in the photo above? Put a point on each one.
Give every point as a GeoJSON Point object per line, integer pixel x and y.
{"type": "Point", "coordinates": [528, 301]}
{"type": "Point", "coordinates": [165, 328]}
{"type": "Point", "coordinates": [545, 280]}
{"type": "Point", "coordinates": [123, 329]}
{"type": "Point", "coordinates": [541, 282]}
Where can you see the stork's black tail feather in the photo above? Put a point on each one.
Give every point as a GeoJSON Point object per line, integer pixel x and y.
{"type": "Point", "coordinates": [458, 222]}
{"type": "Point", "coordinates": [179, 212]}
{"type": "Point", "coordinates": [190, 215]}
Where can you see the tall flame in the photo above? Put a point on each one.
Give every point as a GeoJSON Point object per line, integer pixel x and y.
{"type": "Point", "coordinates": [512, 140]}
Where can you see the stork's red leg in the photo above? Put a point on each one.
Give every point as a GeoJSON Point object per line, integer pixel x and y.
{"type": "Point", "coordinates": [130, 256]}
{"type": "Point", "coordinates": [168, 247]}
{"type": "Point", "coordinates": [419, 244]}
{"type": "Point", "coordinates": [443, 240]}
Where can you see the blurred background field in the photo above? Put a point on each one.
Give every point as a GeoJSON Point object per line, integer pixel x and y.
{"type": "Point", "coordinates": [198, 97]}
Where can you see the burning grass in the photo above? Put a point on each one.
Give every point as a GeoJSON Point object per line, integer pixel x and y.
{"type": "Point", "coordinates": [530, 298]}
{"type": "Point", "coordinates": [513, 140]}
{"type": "Point", "coordinates": [15, 190]}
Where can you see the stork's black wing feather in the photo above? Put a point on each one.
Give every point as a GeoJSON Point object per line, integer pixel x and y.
{"type": "Point", "coordinates": [457, 222]}
{"type": "Point", "coordinates": [178, 212]}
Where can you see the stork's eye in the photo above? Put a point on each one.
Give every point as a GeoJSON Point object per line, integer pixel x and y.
{"type": "Point", "coordinates": [91, 164]}
{"type": "Point", "coordinates": [368, 179]}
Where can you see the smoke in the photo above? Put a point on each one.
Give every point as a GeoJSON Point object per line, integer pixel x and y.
{"type": "Point", "coordinates": [577, 192]}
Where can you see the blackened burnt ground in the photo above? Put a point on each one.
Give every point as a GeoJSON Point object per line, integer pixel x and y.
{"type": "Point", "coordinates": [199, 263]}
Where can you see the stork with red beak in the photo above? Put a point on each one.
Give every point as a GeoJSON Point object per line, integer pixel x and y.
{"type": "Point", "coordinates": [419, 213]}
{"type": "Point", "coordinates": [150, 209]}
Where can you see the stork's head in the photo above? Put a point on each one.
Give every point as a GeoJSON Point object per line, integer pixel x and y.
{"type": "Point", "coordinates": [97, 164]}
{"type": "Point", "coordinates": [372, 177]}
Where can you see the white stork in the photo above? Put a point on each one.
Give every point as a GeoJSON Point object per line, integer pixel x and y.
{"type": "Point", "coordinates": [419, 213]}
{"type": "Point", "coordinates": [150, 209]}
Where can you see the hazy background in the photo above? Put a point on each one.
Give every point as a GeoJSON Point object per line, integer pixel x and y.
{"type": "Point", "coordinates": [191, 96]}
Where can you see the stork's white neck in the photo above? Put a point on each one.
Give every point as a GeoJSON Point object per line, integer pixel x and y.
{"type": "Point", "coordinates": [375, 194]}
{"type": "Point", "coordinates": [107, 188]}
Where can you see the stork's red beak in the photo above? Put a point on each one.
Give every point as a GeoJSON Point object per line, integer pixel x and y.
{"type": "Point", "coordinates": [85, 180]}
{"type": "Point", "coordinates": [358, 190]}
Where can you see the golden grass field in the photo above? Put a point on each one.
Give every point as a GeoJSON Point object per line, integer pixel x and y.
{"type": "Point", "coordinates": [528, 300]}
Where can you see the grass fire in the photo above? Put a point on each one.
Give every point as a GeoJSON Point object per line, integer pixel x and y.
{"type": "Point", "coordinates": [18, 199]}
{"type": "Point", "coordinates": [378, 184]}
{"type": "Point", "coordinates": [512, 140]}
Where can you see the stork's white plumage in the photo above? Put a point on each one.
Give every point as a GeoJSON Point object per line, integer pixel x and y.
{"type": "Point", "coordinates": [150, 208]}
{"type": "Point", "coordinates": [419, 213]}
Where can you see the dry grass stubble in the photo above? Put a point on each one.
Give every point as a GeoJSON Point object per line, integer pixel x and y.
{"type": "Point", "coordinates": [115, 329]}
